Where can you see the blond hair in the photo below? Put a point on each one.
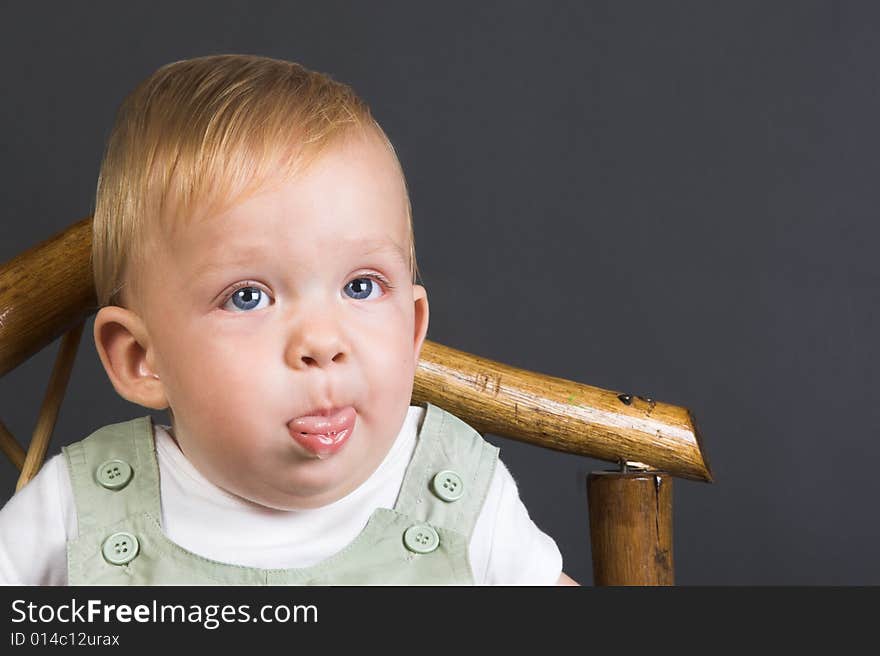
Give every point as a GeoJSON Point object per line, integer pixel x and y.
{"type": "Point", "coordinates": [206, 131]}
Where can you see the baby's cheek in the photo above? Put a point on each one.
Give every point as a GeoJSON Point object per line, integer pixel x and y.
{"type": "Point", "coordinates": [218, 364]}
{"type": "Point", "coordinates": [396, 354]}
{"type": "Point", "coordinates": [392, 379]}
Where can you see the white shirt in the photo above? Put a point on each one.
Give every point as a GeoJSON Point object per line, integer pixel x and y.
{"type": "Point", "coordinates": [506, 546]}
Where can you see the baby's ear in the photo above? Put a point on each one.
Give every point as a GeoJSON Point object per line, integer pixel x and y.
{"type": "Point", "coordinates": [123, 345]}
{"type": "Point", "coordinates": [420, 297]}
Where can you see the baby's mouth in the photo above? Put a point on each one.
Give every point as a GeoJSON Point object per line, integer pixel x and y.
{"type": "Point", "coordinates": [324, 435]}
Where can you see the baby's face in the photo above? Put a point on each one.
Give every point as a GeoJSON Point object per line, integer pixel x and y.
{"type": "Point", "coordinates": [295, 301]}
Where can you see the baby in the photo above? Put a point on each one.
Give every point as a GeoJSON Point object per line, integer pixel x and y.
{"type": "Point", "coordinates": [255, 265]}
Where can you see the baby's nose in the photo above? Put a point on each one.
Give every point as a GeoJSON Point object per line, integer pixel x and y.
{"type": "Point", "coordinates": [316, 346]}
{"type": "Point", "coordinates": [321, 361]}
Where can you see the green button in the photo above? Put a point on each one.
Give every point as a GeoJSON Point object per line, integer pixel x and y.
{"type": "Point", "coordinates": [120, 548]}
{"type": "Point", "coordinates": [421, 538]}
{"type": "Point", "coordinates": [448, 485]}
{"type": "Point", "coordinates": [113, 474]}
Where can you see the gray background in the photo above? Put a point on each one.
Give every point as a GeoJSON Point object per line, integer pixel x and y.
{"type": "Point", "coordinates": [671, 199]}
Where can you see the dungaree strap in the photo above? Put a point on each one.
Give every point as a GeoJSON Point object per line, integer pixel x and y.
{"type": "Point", "coordinates": [448, 478]}
{"type": "Point", "coordinates": [114, 474]}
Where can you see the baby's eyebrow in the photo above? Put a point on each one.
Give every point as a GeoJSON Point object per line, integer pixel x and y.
{"type": "Point", "coordinates": [372, 247]}
{"type": "Point", "coordinates": [214, 262]}
{"type": "Point", "coordinates": [360, 247]}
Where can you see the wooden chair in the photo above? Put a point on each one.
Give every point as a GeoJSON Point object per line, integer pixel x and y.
{"type": "Point", "coordinates": [47, 292]}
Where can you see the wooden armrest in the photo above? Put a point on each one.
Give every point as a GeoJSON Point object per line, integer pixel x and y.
{"type": "Point", "coordinates": [560, 414]}
{"type": "Point", "coordinates": [44, 292]}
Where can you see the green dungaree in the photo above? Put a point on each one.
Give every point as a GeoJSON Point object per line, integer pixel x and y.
{"type": "Point", "coordinates": [422, 540]}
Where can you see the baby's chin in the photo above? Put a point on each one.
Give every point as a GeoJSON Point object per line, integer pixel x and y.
{"type": "Point", "coordinates": [314, 492]}
{"type": "Point", "coordinates": [289, 503]}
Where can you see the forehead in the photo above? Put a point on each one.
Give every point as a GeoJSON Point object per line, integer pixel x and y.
{"type": "Point", "coordinates": [352, 197]}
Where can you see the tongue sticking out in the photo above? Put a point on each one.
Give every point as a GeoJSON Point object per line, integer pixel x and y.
{"type": "Point", "coordinates": [321, 435]}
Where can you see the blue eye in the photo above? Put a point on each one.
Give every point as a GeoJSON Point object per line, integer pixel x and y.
{"type": "Point", "coordinates": [362, 288]}
{"type": "Point", "coordinates": [245, 299]}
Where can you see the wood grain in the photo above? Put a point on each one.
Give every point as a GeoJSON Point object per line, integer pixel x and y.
{"type": "Point", "coordinates": [10, 447]}
{"type": "Point", "coordinates": [631, 528]}
{"type": "Point", "coordinates": [36, 452]}
{"type": "Point", "coordinates": [560, 414]}
{"type": "Point", "coordinates": [44, 292]}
